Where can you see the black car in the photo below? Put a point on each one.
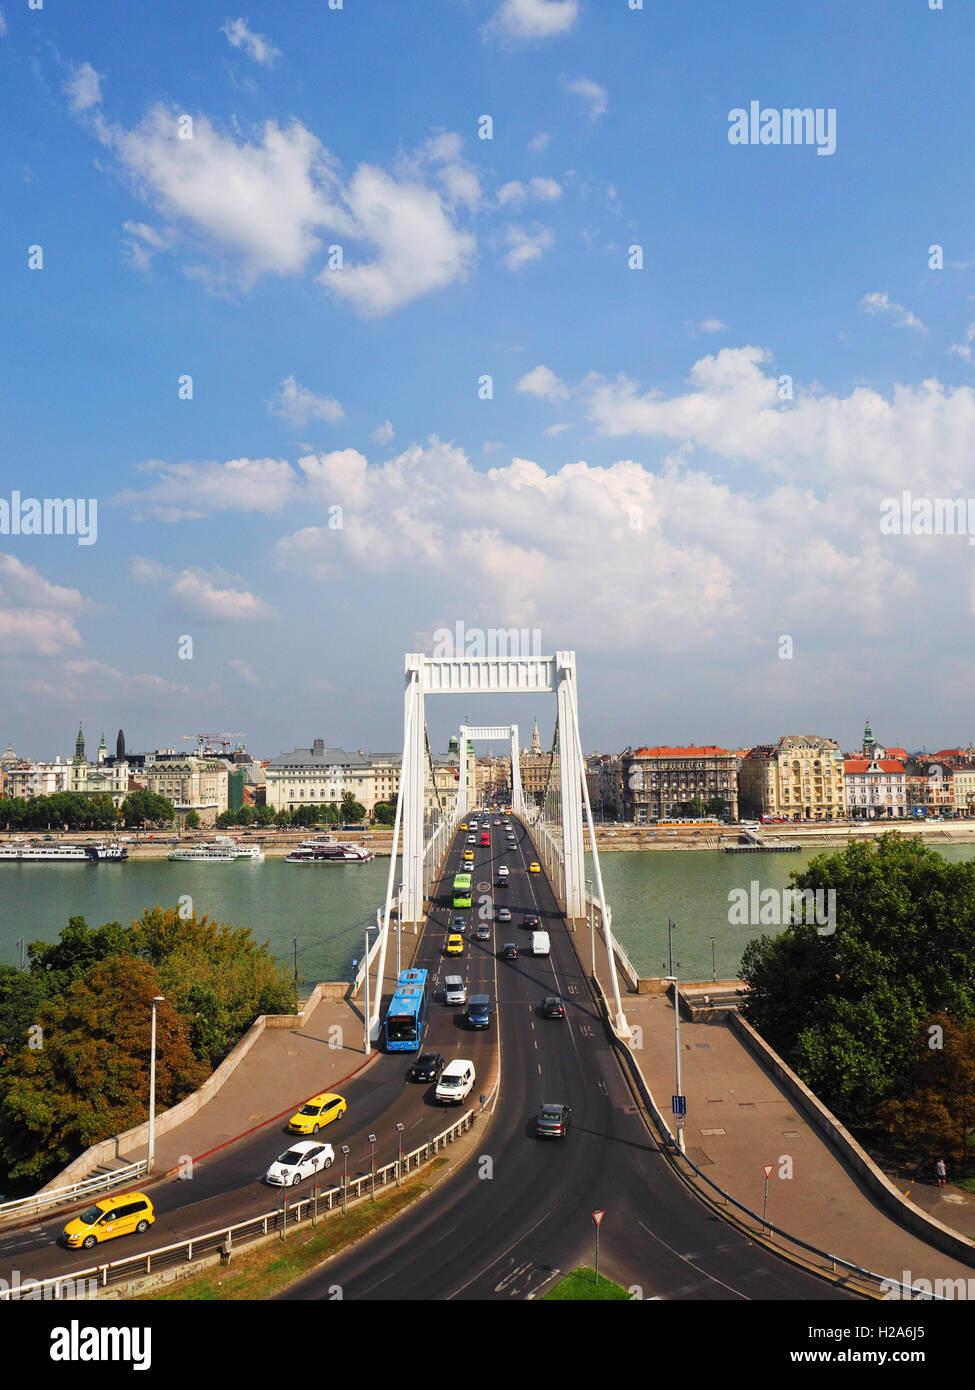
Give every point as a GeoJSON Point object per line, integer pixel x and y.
{"type": "Point", "coordinates": [509, 951]}
{"type": "Point", "coordinates": [552, 1121]}
{"type": "Point", "coordinates": [531, 922]}
{"type": "Point", "coordinates": [427, 1067]}
{"type": "Point", "coordinates": [552, 1007]}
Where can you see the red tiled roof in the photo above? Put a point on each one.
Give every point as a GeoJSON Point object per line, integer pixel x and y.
{"type": "Point", "coordinates": [854, 766]}
{"type": "Point", "coordinates": [900, 753]}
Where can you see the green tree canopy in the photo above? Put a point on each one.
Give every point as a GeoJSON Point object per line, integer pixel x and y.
{"type": "Point", "coordinates": [192, 820]}
{"type": "Point", "coordinates": [352, 811]}
{"type": "Point", "coordinates": [843, 1007]}
{"type": "Point", "coordinates": [146, 808]}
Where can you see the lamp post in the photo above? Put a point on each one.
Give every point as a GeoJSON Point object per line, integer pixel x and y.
{"type": "Point", "coordinates": [158, 999]}
{"type": "Point", "coordinates": [345, 1177]}
{"type": "Point", "coordinates": [367, 1045]}
{"type": "Point", "coordinates": [713, 972]}
{"type": "Point", "coordinates": [372, 1164]}
{"type": "Point", "coordinates": [592, 925]}
{"type": "Point", "coordinates": [296, 963]}
{"type": "Point", "coordinates": [399, 1155]}
{"type": "Point", "coordinates": [677, 1090]}
{"type": "Point", "coordinates": [399, 930]}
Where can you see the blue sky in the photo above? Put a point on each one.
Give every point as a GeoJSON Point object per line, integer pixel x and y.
{"type": "Point", "coordinates": [637, 488]}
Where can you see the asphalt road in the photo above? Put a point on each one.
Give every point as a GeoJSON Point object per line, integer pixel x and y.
{"type": "Point", "coordinates": [505, 1226]}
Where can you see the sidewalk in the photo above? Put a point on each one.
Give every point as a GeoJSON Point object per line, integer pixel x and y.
{"type": "Point", "coordinates": [739, 1118]}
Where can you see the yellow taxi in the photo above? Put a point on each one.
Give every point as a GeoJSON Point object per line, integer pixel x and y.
{"type": "Point", "coordinates": [468, 856]}
{"type": "Point", "coordinates": [118, 1215]}
{"type": "Point", "coordinates": [534, 867]}
{"type": "Point", "coordinates": [455, 944]}
{"type": "Point", "coordinates": [463, 825]}
{"type": "Point", "coordinates": [320, 1110]}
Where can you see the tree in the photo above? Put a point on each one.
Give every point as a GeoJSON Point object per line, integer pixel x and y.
{"type": "Point", "coordinates": [939, 1109]}
{"type": "Point", "coordinates": [694, 807]}
{"type": "Point", "coordinates": [263, 815]}
{"type": "Point", "coordinates": [192, 820]}
{"type": "Point", "coordinates": [843, 1006]}
{"type": "Point", "coordinates": [283, 816]}
{"type": "Point", "coordinates": [225, 820]}
{"type": "Point", "coordinates": [384, 813]}
{"type": "Point", "coordinates": [352, 811]}
{"type": "Point", "coordinates": [146, 808]}
{"type": "Point", "coordinates": [245, 816]}
{"type": "Point", "coordinates": [717, 806]}
{"type": "Point", "coordinates": [89, 1077]}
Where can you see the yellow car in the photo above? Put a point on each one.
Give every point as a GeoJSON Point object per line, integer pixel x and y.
{"type": "Point", "coordinates": [320, 1110]}
{"type": "Point", "coordinates": [455, 944]}
{"type": "Point", "coordinates": [534, 867]}
{"type": "Point", "coordinates": [118, 1215]}
{"type": "Point", "coordinates": [468, 856]}
{"type": "Point", "coordinates": [463, 825]}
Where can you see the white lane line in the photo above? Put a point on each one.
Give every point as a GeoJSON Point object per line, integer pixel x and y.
{"type": "Point", "coordinates": [511, 1247]}
{"type": "Point", "coordinates": [691, 1265]}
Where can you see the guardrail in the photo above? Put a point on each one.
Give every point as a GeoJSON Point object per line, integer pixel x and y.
{"type": "Point", "coordinates": [223, 1240]}
{"type": "Point", "coordinates": [78, 1191]}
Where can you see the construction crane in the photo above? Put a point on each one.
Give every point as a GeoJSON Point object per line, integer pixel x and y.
{"type": "Point", "coordinates": [205, 742]}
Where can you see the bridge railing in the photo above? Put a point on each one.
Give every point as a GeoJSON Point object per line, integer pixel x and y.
{"type": "Point", "coordinates": [280, 1219]}
{"type": "Point", "coordinates": [25, 1207]}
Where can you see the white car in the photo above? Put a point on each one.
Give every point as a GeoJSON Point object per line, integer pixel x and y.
{"type": "Point", "coordinates": [456, 1082]}
{"type": "Point", "coordinates": [300, 1161]}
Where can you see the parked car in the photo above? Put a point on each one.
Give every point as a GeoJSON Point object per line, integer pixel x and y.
{"type": "Point", "coordinates": [300, 1161]}
{"type": "Point", "coordinates": [553, 1120]}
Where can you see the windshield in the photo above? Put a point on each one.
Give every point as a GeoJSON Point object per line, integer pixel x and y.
{"type": "Point", "coordinates": [552, 1115]}
{"type": "Point", "coordinates": [310, 1110]}
{"type": "Point", "coordinates": [446, 1081]}
{"type": "Point", "coordinates": [292, 1158]}
{"type": "Point", "coordinates": [90, 1215]}
{"type": "Point", "coordinates": [401, 1029]}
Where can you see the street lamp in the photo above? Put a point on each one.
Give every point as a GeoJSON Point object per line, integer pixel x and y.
{"type": "Point", "coordinates": [345, 1177]}
{"type": "Point", "coordinates": [157, 999]}
{"type": "Point", "coordinates": [399, 930]}
{"type": "Point", "coordinates": [713, 973]}
{"type": "Point", "coordinates": [367, 1046]}
{"type": "Point", "coordinates": [677, 1090]}
{"type": "Point", "coordinates": [372, 1163]}
{"type": "Point", "coordinates": [592, 925]}
{"type": "Point", "coordinates": [399, 1155]}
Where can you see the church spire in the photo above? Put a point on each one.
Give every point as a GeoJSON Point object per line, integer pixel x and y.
{"type": "Point", "coordinates": [536, 741]}
{"type": "Point", "coordinates": [79, 746]}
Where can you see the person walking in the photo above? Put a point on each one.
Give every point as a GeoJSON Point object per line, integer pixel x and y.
{"type": "Point", "coordinates": [941, 1171]}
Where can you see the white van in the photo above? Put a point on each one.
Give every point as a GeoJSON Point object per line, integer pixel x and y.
{"type": "Point", "coordinates": [541, 946]}
{"type": "Point", "coordinates": [456, 1082]}
{"type": "Point", "coordinates": [454, 990]}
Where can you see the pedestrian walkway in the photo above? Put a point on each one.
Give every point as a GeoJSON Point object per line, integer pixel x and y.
{"type": "Point", "coordinates": [739, 1119]}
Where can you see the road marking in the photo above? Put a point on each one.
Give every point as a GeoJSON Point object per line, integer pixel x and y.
{"type": "Point", "coordinates": [737, 1292]}
{"type": "Point", "coordinates": [504, 1252]}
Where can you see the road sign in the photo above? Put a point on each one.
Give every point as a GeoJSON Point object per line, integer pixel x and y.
{"type": "Point", "coordinates": [679, 1121]}
{"type": "Point", "coordinates": [678, 1105]}
{"type": "Point", "coordinates": [768, 1170]}
{"type": "Point", "coordinates": [597, 1216]}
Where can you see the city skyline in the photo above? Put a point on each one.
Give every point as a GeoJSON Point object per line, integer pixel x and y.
{"type": "Point", "coordinates": [355, 327]}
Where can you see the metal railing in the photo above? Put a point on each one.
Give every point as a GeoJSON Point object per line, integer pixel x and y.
{"type": "Point", "coordinates": [281, 1219]}
{"type": "Point", "coordinates": [78, 1191]}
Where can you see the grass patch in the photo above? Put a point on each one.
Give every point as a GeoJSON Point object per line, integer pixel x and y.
{"type": "Point", "coordinates": [260, 1273]}
{"type": "Point", "coordinates": [580, 1286]}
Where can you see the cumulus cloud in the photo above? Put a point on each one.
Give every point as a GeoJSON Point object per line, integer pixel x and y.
{"type": "Point", "coordinates": [3, 26]}
{"type": "Point", "coordinates": [190, 491]}
{"type": "Point", "coordinates": [881, 303]}
{"type": "Point", "coordinates": [201, 594]}
{"type": "Point", "coordinates": [555, 430]}
{"type": "Point", "coordinates": [712, 326]}
{"type": "Point", "coordinates": [37, 618]}
{"type": "Point", "coordinates": [525, 246]}
{"type": "Point", "coordinates": [91, 680]}
{"type": "Point", "coordinates": [543, 383]}
{"type": "Point", "coordinates": [84, 87]}
{"type": "Point", "coordinates": [515, 192]}
{"type": "Point", "coordinates": [539, 142]}
{"type": "Point", "coordinates": [142, 243]}
{"type": "Point", "coordinates": [256, 46]}
{"type": "Point", "coordinates": [595, 98]}
{"type": "Point", "coordinates": [383, 433]}
{"type": "Point", "coordinates": [535, 19]}
{"type": "Point", "coordinates": [298, 405]}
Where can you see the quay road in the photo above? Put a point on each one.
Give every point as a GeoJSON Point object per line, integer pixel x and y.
{"type": "Point", "coordinates": [500, 1236]}
{"type": "Point", "coordinates": [506, 1228]}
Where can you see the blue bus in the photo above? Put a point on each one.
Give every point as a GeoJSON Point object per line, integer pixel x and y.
{"type": "Point", "coordinates": [407, 1012]}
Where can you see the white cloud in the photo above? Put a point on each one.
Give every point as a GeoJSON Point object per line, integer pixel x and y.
{"type": "Point", "coordinates": [525, 246]}
{"type": "Point", "coordinates": [199, 594]}
{"type": "Point", "coordinates": [964, 350]}
{"type": "Point", "coordinates": [546, 189]}
{"type": "Point", "coordinates": [535, 19]}
{"type": "Point", "coordinates": [190, 491]}
{"type": "Point", "coordinates": [142, 243]}
{"type": "Point", "coordinates": [384, 433]}
{"type": "Point", "coordinates": [543, 383]}
{"type": "Point", "coordinates": [90, 680]}
{"type": "Point", "coordinates": [256, 46]}
{"type": "Point", "coordinates": [83, 87]}
{"type": "Point", "coordinates": [555, 430]}
{"type": "Point", "coordinates": [298, 405]}
{"type": "Point", "coordinates": [880, 303]}
{"type": "Point", "coordinates": [28, 586]}
{"type": "Point", "coordinates": [512, 192]}
{"type": "Point", "coordinates": [491, 446]}
{"type": "Point", "coordinates": [539, 142]}
{"type": "Point", "coordinates": [712, 326]}
{"type": "Point", "coordinates": [37, 618]}
{"type": "Point", "coordinates": [594, 97]}
{"type": "Point", "coordinates": [3, 26]}
{"type": "Point", "coordinates": [245, 672]}
{"type": "Point", "coordinates": [419, 247]}
{"type": "Point", "coordinates": [515, 192]}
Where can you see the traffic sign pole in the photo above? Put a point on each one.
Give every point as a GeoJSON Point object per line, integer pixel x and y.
{"type": "Point", "coordinates": [597, 1217]}
{"type": "Point", "coordinates": [767, 1168]}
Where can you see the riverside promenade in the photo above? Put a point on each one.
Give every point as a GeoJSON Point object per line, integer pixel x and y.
{"type": "Point", "coordinates": [741, 1117]}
